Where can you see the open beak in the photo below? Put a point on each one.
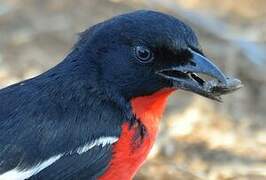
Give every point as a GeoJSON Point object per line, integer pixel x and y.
{"type": "Point", "coordinates": [187, 77]}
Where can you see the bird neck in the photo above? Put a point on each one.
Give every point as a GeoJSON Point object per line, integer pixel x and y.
{"type": "Point", "coordinates": [149, 109]}
{"type": "Point", "coordinates": [129, 156]}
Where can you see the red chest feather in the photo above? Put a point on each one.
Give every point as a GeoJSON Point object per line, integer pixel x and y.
{"type": "Point", "coordinates": [128, 158]}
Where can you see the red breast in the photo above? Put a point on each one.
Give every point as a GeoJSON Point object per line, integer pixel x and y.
{"type": "Point", "coordinates": [127, 159]}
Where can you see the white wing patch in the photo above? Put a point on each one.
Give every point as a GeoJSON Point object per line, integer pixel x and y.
{"type": "Point", "coordinates": [17, 174]}
{"type": "Point", "coordinates": [102, 141]}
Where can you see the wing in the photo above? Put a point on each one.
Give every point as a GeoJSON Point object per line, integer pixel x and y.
{"type": "Point", "coordinates": [88, 165]}
{"type": "Point", "coordinates": [43, 118]}
{"type": "Point", "coordinates": [75, 165]}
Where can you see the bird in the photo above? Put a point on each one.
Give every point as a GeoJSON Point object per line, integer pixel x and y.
{"type": "Point", "coordinates": [96, 114]}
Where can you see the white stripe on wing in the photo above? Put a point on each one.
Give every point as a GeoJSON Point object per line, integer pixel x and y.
{"type": "Point", "coordinates": [18, 174]}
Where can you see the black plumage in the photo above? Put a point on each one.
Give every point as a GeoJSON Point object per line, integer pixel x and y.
{"type": "Point", "coordinates": [87, 96]}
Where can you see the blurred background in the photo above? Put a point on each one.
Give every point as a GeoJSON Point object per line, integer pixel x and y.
{"type": "Point", "coordinates": [199, 138]}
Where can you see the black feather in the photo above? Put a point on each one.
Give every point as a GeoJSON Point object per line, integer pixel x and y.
{"type": "Point", "coordinates": [87, 95]}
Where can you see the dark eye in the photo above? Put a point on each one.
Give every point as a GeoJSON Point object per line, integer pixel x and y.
{"type": "Point", "coordinates": [143, 54]}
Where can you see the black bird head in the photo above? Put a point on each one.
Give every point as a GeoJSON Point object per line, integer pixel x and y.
{"type": "Point", "coordinates": [139, 53]}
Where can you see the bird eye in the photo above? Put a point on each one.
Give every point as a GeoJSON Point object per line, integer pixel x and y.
{"type": "Point", "coordinates": [143, 54]}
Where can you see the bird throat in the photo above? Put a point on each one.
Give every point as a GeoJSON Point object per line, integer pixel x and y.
{"type": "Point", "coordinates": [129, 152]}
{"type": "Point", "coordinates": [149, 109]}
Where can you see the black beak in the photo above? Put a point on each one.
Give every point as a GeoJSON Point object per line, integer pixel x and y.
{"type": "Point", "coordinates": [186, 77]}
